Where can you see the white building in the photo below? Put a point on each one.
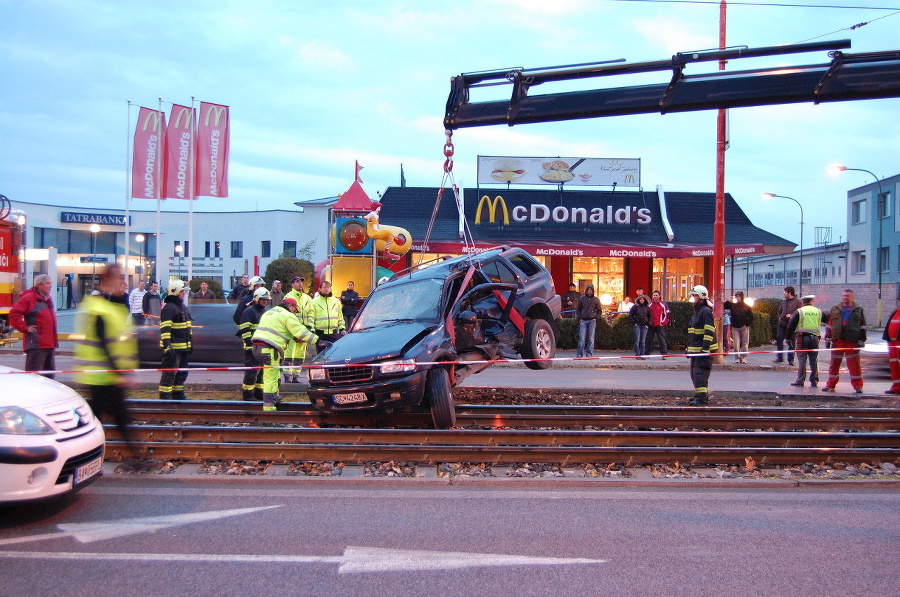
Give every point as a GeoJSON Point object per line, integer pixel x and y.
{"type": "Point", "coordinates": [60, 241]}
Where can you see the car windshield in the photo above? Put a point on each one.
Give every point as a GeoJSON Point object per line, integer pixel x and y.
{"type": "Point", "coordinates": [418, 301]}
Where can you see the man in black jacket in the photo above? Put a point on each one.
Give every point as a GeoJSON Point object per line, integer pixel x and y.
{"type": "Point", "coordinates": [741, 320]}
{"type": "Point", "coordinates": [349, 301]}
{"type": "Point", "coordinates": [589, 309]}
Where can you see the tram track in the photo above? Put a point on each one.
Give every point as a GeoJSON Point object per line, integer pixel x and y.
{"type": "Point", "coordinates": [202, 430]}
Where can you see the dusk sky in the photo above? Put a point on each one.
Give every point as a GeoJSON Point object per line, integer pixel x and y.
{"type": "Point", "coordinates": [315, 86]}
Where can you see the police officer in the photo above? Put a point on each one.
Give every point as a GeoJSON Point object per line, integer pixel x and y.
{"type": "Point", "coordinates": [252, 386]}
{"type": "Point", "coordinates": [175, 340]}
{"type": "Point", "coordinates": [805, 323]}
{"type": "Point", "coordinates": [277, 327]}
{"type": "Point", "coordinates": [701, 344]}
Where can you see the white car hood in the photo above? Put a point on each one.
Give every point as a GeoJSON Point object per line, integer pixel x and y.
{"type": "Point", "coordinates": [29, 390]}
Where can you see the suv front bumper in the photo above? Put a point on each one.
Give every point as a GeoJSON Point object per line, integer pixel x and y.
{"type": "Point", "coordinates": [384, 393]}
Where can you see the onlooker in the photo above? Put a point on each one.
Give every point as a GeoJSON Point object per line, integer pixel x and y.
{"type": "Point", "coordinates": [34, 316]}
{"type": "Point", "coordinates": [892, 337]}
{"type": "Point", "coordinates": [640, 316]}
{"type": "Point", "coordinates": [349, 304]}
{"type": "Point", "coordinates": [588, 311]}
{"type": "Point", "coordinates": [845, 334]}
{"type": "Point", "coordinates": [741, 320]}
{"type": "Point", "coordinates": [805, 323]}
{"type": "Point", "coordinates": [659, 320]}
{"type": "Point", "coordinates": [136, 303]}
{"type": "Point", "coordinates": [625, 306]}
{"type": "Point", "coordinates": [570, 302]}
{"type": "Point", "coordinates": [276, 295]}
{"type": "Point", "coordinates": [240, 289]}
{"type": "Point", "coordinates": [790, 304]}
{"type": "Point", "coordinates": [152, 302]}
{"type": "Point", "coordinates": [175, 340]}
{"type": "Point", "coordinates": [204, 294]}
{"type": "Point", "coordinates": [701, 344]}
{"type": "Point", "coordinates": [108, 354]}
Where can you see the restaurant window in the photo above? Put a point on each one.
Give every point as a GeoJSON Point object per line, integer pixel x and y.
{"type": "Point", "coordinates": [674, 278]}
{"type": "Point", "coordinates": [607, 274]}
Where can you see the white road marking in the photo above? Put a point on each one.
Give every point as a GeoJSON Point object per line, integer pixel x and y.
{"type": "Point", "coordinates": [87, 532]}
{"type": "Point", "coordinates": [354, 561]}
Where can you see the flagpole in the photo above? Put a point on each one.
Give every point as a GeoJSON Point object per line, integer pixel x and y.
{"type": "Point", "coordinates": [128, 192]}
{"type": "Point", "coordinates": [192, 195]}
{"type": "Point", "coordinates": [159, 193]}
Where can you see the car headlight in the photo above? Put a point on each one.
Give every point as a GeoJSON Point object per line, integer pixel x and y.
{"type": "Point", "coordinates": [404, 366]}
{"type": "Point", "coordinates": [317, 374]}
{"type": "Point", "coordinates": [18, 421]}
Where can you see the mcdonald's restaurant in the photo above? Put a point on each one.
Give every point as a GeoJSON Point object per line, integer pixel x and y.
{"type": "Point", "coordinates": [618, 241]}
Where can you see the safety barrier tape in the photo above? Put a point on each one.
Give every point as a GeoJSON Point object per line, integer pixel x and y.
{"type": "Point", "coordinates": [443, 363]}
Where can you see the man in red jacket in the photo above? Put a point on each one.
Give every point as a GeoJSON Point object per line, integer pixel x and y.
{"type": "Point", "coordinates": [35, 316]}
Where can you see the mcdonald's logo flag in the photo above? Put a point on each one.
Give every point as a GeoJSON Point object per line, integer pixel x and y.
{"type": "Point", "coordinates": [149, 144]}
{"type": "Point", "coordinates": [180, 153]}
{"type": "Point", "coordinates": [213, 132]}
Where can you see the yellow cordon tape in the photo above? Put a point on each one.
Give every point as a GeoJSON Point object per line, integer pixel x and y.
{"type": "Point", "coordinates": [489, 362]}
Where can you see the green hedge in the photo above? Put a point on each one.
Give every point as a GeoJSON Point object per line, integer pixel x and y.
{"type": "Point", "coordinates": [618, 336]}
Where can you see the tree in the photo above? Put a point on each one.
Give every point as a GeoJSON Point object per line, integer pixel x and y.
{"type": "Point", "coordinates": [285, 268]}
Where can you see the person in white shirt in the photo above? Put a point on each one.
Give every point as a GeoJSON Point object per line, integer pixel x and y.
{"type": "Point", "coordinates": [626, 305]}
{"type": "Point", "coordinates": [136, 303]}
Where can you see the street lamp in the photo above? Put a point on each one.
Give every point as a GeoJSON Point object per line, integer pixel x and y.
{"type": "Point", "coordinates": [178, 251]}
{"type": "Point", "coordinates": [140, 241]}
{"type": "Point", "coordinates": [773, 195]}
{"type": "Point", "coordinates": [95, 228]}
{"type": "Point", "coordinates": [835, 169]}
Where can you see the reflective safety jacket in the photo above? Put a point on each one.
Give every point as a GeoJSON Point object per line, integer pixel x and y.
{"type": "Point", "coordinates": [329, 317]}
{"type": "Point", "coordinates": [805, 320]}
{"type": "Point", "coordinates": [249, 323]}
{"type": "Point", "coordinates": [278, 326]}
{"type": "Point", "coordinates": [175, 325]}
{"type": "Point", "coordinates": [108, 341]}
{"type": "Point", "coordinates": [702, 330]}
{"type": "Point", "coordinates": [306, 313]}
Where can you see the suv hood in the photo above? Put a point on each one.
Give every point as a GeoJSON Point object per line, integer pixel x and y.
{"type": "Point", "coordinates": [373, 344]}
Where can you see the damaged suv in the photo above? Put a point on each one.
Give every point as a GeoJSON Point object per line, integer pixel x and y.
{"type": "Point", "coordinates": [426, 329]}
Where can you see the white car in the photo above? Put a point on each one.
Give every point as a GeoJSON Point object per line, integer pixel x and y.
{"type": "Point", "coordinates": [50, 441]}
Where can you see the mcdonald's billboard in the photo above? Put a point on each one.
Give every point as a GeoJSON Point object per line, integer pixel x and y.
{"type": "Point", "coordinates": [570, 171]}
{"type": "Point", "coordinates": [180, 153]}
{"type": "Point", "coordinates": [147, 165]}
{"type": "Point", "coordinates": [213, 132]}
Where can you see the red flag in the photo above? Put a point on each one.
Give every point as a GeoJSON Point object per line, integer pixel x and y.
{"type": "Point", "coordinates": [180, 153]}
{"type": "Point", "coordinates": [213, 132]}
{"type": "Point", "coordinates": [358, 168]}
{"type": "Point", "coordinates": [149, 141]}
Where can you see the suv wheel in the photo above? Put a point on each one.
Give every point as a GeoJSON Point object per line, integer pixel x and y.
{"type": "Point", "coordinates": [440, 398]}
{"type": "Point", "coordinates": [540, 343]}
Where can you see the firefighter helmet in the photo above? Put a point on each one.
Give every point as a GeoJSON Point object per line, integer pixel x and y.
{"type": "Point", "coordinates": [175, 287]}
{"type": "Point", "coordinates": [700, 291]}
{"type": "Point", "coordinates": [260, 294]}
{"type": "Point", "coordinates": [256, 281]}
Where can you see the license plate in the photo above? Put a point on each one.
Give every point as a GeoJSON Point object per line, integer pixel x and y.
{"type": "Point", "coordinates": [86, 471]}
{"type": "Point", "coordinates": [350, 398]}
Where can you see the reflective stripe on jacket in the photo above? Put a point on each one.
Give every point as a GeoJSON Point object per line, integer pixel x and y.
{"type": "Point", "coordinates": [278, 326]}
{"type": "Point", "coordinates": [116, 350]}
{"type": "Point", "coordinates": [702, 330]}
{"type": "Point", "coordinates": [329, 317]}
{"type": "Point", "coordinates": [306, 312]}
{"type": "Point", "coordinates": [175, 325]}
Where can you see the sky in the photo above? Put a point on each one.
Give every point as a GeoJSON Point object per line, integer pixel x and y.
{"type": "Point", "coordinates": [314, 87]}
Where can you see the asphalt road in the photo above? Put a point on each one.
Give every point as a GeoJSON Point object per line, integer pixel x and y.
{"type": "Point", "coordinates": [164, 537]}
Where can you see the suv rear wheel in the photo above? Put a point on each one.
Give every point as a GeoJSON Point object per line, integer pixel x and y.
{"type": "Point", "coordinates": [540, 343]}
{"type": "Point", "coordinates": [440, 398]}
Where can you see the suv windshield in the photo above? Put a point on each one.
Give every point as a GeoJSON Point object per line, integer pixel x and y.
{"type": "Point", "coordinates": [418, 301]}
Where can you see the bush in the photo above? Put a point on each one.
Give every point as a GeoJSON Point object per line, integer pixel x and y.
{"type": "Point", "coordinates": [768, 307]}
{"type": "Point", "coordinates": [285, 268]}
{"type": "Point", "coordinates": [761, 329]}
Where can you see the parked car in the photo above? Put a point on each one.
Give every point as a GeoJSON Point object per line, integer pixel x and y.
{"type": "Point", "coordinates": [50, 441]}
{"type": "Point", "coordinates": [464, 311]}
{"type": "Point", "coordinates": [214, 337]}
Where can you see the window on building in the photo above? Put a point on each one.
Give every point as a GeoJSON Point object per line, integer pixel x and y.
{"type": "Point", "coordinates": [858, 212]}
{"type": "Point", "coordinates": [884, 259]}
{"type": "Point", "coordinates": [884, 205]}
{"type": "Point", "coordinates": [207, 249]}
{"type": "Point", "coordinates": [237, 248]}
{"type": "Point", "coordinates": [218, 248]}
{"type": "Point", "coordinates": [607, 274]}
{"type": "Point", "coordinates": [859, 262]}
{"type": "Point", "coordinates": [675, 277]}
{"type": "Point", "coordinates": [266, 249]}
{"type": "Point", "coordinates": [290, 249]}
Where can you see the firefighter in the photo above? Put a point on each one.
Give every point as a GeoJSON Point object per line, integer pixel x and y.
{"type": "Point", "coordinates": [295, 352]}
{"type": "Point", "coordinates": [701, 344]}
{"type": "Point", "coordinates": [329, 322]}
{"type": "Point", "coordinates": [175, 340]}
{"type": "Point", "coordinates": [252, 386]}
{"type": "Point", "coordinates": [245, 300]}
{"type": "Point", "coordinates": [277, 326]}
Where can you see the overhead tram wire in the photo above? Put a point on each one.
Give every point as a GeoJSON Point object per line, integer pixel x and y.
{"type": "Point", "coordinates": [774, 4]}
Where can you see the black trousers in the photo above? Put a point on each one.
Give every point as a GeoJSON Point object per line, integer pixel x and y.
{"type": "Point", "coordinates": [700, 369]}
{"type": "Point", "coordinates": [656, 331]}
{"type": "Point", "coordinates": [781, 336]}
{"type": "Point", "coordinates": [110, 400]}
{"type": "Point", "coordinates": [41, 359]}
{"type": "Point", "coordinates": [173, 381]}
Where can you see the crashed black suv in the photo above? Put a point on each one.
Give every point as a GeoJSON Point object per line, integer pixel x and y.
{"type": "Point", "coordinates": [426, 329]}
